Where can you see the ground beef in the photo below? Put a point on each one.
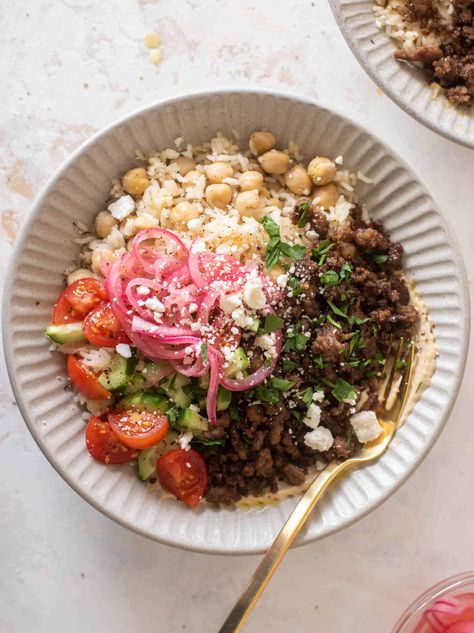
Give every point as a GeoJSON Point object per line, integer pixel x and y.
{"type": "Point", "coordinates": [451, 63]}
{"type": "Point", "coordinates": [263, 433]}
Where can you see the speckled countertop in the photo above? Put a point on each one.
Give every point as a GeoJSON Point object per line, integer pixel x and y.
{"type": "Point", "coordinates": [67, 69]}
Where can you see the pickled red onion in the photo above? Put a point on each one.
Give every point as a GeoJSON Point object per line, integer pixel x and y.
{"type": "Point", "coordinates": [185, 285]}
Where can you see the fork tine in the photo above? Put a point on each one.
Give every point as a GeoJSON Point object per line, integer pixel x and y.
{"type": "Point", "coordinates": [391, 376]}
{"type": "Point", "coordinates": [405, 383]}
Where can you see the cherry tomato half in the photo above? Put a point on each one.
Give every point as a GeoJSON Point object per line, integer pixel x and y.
{"type": "Point", "coordinates": [104, 445]}
{"type": "Point", "coordinates": [85, 380]}
{"type": "Point", "coordinates": [184, 474]}
{"type": "Point", "coordinates": [138, 429]}
{"type": "Point", "coordinates": [77, 300]}
{"type": "Point", "coordinates": [101, 328]}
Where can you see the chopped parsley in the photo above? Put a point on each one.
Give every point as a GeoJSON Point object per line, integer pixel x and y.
{"type": "Point", "coordinates": [378, 257]}
{"type": "Point", "coordinates": [267, 394]}
{"type": "Point", "coordinates": [204, 347]}
{"type": "Point", "coordinates": [281, 384]}
{"type": "Point", "coordinates": [296, 341]}
{"type": "Point", "coordinates": [205, 442]}
{"type": "Point", "coordinates": [306, 396]}
{"type": "Point", "coordinates": [289, 365]}
{"type": "Point", "coordinates": [330, 278]}
{"type": "Point", "coordinates": [333, 322]}
{"type": "Point", "coordinates": [318, 361]}
{"type": "Point", "coordinates": [272, 323]}
{"type": "Point", "coordinates": [296, 289]}
{"type": "Point", "coordinates": [302, 208]}
{"type": "Point", "coordinates": [356, 342]}
{"type": "Point", "coordinates": [337, 310]}
{"type": "Point", "coordinates": [342, 390]}
{"type": "Point", "coordinates": [234, 412]}
{"type": "Point", "coordinates": [276, 248]}
{"type": "Point", "coordinates": [355, 320]}
{"type": "Point", "coordinates": [345, 272]}
{"type": "Point", "coordinates": [320, 252]}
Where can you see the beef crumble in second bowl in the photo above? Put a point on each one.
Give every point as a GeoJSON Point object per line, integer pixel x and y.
{"type": "Point", "coordinates": [394, 197]}
{"type": "Point", "coordinates": [380, 33]}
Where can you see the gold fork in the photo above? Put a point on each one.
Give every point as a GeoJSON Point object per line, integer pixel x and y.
{"type": "Point", "coordinates": [389, 413]}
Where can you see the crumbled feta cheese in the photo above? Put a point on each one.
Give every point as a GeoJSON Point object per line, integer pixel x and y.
{"type": "Point", "coordinates": [124, 350]}
{"type": "Point", "coordinates": [320, 439]}
{"type": "Point", "coordinates": [122, 207]}
{"type": "Point", "coordinates": [338, 160]}
{"type": "Point", "coordinates": [366, 426]}
{"type": "Point", "coordinates": [282, 280]}
{"type": "Point", "coordinates": [195, 224]}
{"type": "Point", "coordinates": [313, 416]}
{"type": "Point", "coordinates": [240, 317]}
{"type": "Point", "coordinates": [192, 308]}
{"type": "Point", "coordinates": [229, 303]}
{"type": "Point", "coordinates": [318, 396]}
{"type": "Point", "coordinates": [312, 235]}
{"type": "Point", "coordinates": [267, 343]}
{"type": "Point", "coordinates": [196, 326]}
{"type": "Point", "coordinates": [143, 291]}
{"type": "Point", "coordinates": [184, 440]}
{"type": "Point", "coordinates": [254, 296]}
{"type": "Point", "coordinates": [153, 303]}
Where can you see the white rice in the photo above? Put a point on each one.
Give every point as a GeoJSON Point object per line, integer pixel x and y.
{"type": "Point", "coordinates": [408, 34]}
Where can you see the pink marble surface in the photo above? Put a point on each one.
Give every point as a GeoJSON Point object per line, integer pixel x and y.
{"type": "Point", "coordinates": [68, 68]}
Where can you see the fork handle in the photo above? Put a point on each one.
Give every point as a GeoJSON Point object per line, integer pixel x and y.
{"type": "Point", "coordinates": [267, 567]}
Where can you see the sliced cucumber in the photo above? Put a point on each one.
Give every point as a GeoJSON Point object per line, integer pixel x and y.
{"type": "Point", "coordinates": [240, 362]}
{"type": "Point", "coordinates": [179, 390]}
{"type": "Point", "coordinates": [117, 375]}
{"type": "Point", "coordinates": [65, 333]}
{"type": "Point", "coordinates": [149, 456]}
{"type": "Point", "coordinates": [253, 327]}
{"type": "Point", "coordinates": [145, 401]}
{"type": "Point", "coordinates": [224, 396]}
{"type": "Point", "coordinates": [190, 420]}
{"type": "Point", "coordinates": [136, 383]}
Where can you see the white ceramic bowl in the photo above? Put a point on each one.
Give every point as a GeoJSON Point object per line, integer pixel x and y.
{"type": "Point", "coordinates": [402, 83]}
{"type": "Point", "coordinates": [78, 191]}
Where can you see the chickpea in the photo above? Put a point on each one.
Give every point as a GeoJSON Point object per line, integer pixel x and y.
{"type": "Point", "coordinates": [275, 272]}
{"type": "Point", "coordinates": [325, 196]}
{"type": "Point", "coordinates": [274, 162]}
{"type": "Point", "coordinates": [80, 273]}
{"type": "Point", "coordinates": [100, 256]}
{"type": "Point", "coordinates": [218, 195]}
{"type": "Point", "coordinates": [135, 181]}
{"type": "Point", "coordinates": [145, 221]}
{"type": "Point", "coordinates": [250, 180]}
{"type": "Point", "coordinates": [191, 178]}
{"type": "Point", "coordinates": [298, 181]}
{"type": "Point", "coordinates": [216, 172]}
{"type": "Point", "coordinates": [185, 164]}
{"type": "Point", "coordinates": [104, 223]}
{"type": "Point", "coordinates": [248, 204]}
{"type": "Point", "coordinates": [321, 170]}
{"type": "Point", "coordinates": [182, 213]}
{"type": "Point", "coordinates": [261, 141]}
